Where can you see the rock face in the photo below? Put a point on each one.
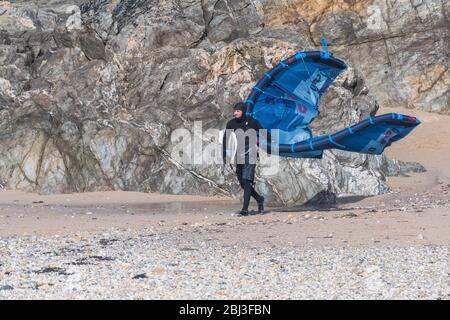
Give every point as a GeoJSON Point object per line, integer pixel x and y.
{"type": "Point", "coordinates": [91, 91]}
{"type": "Point", "coordinates": [401, 47]}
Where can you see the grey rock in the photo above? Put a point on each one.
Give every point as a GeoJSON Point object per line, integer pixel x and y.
{"type": "Point", "coordinates": [392, 167]}
{"type": "Point", "coordinates": [90, 95]}
{"type": "Point", "coordinates": [92, 47]}
{"type": "Point", "coordinates": [400, 47]}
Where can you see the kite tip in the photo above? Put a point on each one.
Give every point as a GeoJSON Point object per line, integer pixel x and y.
{"type": "Point", "coordinates": [325, 53]}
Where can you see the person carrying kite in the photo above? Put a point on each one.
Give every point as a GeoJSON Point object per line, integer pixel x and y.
{"type": "Point", "coordinates": [285, 100]}
{"type": "Point", "coordinates": [247, 132]}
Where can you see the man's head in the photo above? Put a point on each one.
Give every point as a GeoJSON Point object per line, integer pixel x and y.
{"type": "Point", "coordinates": [239, 110]}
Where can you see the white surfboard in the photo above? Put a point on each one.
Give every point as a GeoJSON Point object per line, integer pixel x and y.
{"type": "Point", "coordinates": [231, 146]}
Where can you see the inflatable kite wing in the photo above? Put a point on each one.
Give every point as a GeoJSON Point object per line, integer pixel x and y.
{"type": "Point", "coordinates": [287, 97]}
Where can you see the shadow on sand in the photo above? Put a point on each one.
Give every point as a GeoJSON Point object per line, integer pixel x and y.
{"type": "Point", "coordinates": [324, 202]}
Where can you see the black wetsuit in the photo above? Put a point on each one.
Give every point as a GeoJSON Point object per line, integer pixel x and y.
{"type": "Point", "coordinates": [246, 156]}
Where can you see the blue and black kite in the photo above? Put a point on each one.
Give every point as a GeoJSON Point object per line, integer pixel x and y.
{"type": "Point", "coordinates": [287, 97]}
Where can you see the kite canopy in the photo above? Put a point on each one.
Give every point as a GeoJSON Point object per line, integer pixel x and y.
{"type": "Point", "coordinates": [287, 97]}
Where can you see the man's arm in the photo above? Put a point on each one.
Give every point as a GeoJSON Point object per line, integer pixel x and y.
{"type": "Point", "coordinates": [267, 137]}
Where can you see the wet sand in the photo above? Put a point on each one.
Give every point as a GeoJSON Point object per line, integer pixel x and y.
{"type": "Point", "coordinates": [404, 217]}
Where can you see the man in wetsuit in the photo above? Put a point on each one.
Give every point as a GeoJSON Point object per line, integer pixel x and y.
{"type": "Point", "coordinates": [247, 133]}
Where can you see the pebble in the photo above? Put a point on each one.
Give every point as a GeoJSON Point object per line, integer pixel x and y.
{"type": "Point", "coordinates": [6, 287]}
{"type": "Point", "coordinates": [350, 215]}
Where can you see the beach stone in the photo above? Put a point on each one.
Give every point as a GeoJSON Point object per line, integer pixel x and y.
{"type": "Point", "coordinates": [6, 288]}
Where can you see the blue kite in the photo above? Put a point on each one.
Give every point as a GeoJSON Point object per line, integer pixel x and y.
{"type": "Point", "coordinates": [286, 98]}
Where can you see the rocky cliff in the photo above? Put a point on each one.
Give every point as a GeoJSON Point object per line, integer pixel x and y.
{"type": "Point", "coordinates": [90, 91]}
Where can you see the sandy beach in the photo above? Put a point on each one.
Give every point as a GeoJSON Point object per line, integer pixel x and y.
{"type": "Point", "coordinates": [149, 246]}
